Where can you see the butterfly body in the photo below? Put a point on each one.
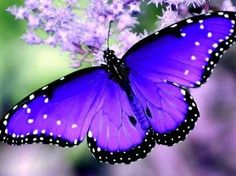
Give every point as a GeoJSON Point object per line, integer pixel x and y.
{"type": "Point", "coordinates": [120, 73]}
{"type": "Point", "coordinates": [127, 105]}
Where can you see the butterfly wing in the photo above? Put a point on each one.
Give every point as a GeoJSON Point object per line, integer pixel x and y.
{"type": "Point", "coordinates": [182, 55]}
{"type": "Point", "coordinates": [186, 52]}
{"type": "Point", "coordinates": [59, 113]}
{"type": "Point", "coordinates": [86, 102]}
{"type": "Point", "coordinates": [115, 134]}
{"type": "Point", "coordinates": [169, 108]}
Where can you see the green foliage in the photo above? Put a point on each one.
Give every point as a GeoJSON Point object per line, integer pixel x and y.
{"type": "Point", "coordinates": [24, 68]}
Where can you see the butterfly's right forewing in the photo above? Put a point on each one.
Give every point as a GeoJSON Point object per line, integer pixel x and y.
{"type": "Point", "coordinates": [184, 53]}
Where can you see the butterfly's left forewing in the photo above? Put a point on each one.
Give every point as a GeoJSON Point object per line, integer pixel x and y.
{"type": "Point", "coordinates": [59, 113]}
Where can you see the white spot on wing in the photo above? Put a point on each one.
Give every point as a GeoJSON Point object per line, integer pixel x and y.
{"type": "Point", "coordinates": [75, 141]}
{"type": "Point", "coordinates": [46, 100]}
{"type": "Point", "coordinates": [186, 72]}
{"type": "Point", "coordinates": [210, 51]}
{"type": "Point", "coordinates": [183, 92]}
{"type": "Point", "coordinates": [189, 21]}
{"type": "Point", "coordinates": [28, 110]}
{"type": "Point", "coordinates": [5, 122]}
{"type": "Point", "coordinates": [98, 149]}
{"type": "Point", "coordinates": [197, 43]}
{"type": "Point", "coordinates": [90, 134]}
{"type": "Point", "coordinates": [30, 121]}
{"type": "Point", "coordinates": [35, 132]}
{"type": "Point", "coordinates": [226, 15]}
{"type": "Point", "coordinates": [174, 25]}
{"type": "Point", "coordinates": [74, 126]}
{"type": "Point", "coordinates": [215, 45]}
{"type": "Point", "coordinates": [58, 122]}
{"type": "Point", "coordinates": [209, 34]}
{"type": "Point", "coordinates": [45, 87]}
{"type": "Point", "coordinates": [45, 116]}
{"type": "Point", "coordinates": [193, 57]}
{"type": "Point", "coordinates": [198, 82]}
{"type": "Point", "coordinates": [31, 97]}
{"type": "Point", "coordinates": [7, 116]}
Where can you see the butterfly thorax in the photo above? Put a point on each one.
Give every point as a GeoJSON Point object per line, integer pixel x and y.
{"type": "Point", "coordinates": [116, 67]}
{"type": "Point", "coordinates": [117, 70]}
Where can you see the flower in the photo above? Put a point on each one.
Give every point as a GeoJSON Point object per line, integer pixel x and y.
{"type": "Point", "coordinates": [81, 28]}
{"type": "Point", "coordinates": [31, 38]}
{"type": "Point", "coordinates": [227, 5]}
{"type": "Point", "coordinates": [169, 17]}
{"type": "Point", "coordinates": [66, 28]}
{"type": "Point", "coordinates": [178, 2]}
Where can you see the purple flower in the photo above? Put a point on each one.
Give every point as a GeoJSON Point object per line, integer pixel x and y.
{"type": "Point", "coordinates": [31, 4]}
{"type": "Point", "coordinates": [227, 5]}
{"type": "Point", "coordinates": [33, 21]}
{"type": "Point", "coordinates": [31, 38]}
{"type": "Point", "coordinates": [125, 20]}
{"type": "Point", "coordinates": [19, 13]}
{"type": "Point", "coordinates": [128, 41]}
{"type": "Point", "coordinates": [168, 17]}
{"type": "Point", "coordinates": [80, 28]}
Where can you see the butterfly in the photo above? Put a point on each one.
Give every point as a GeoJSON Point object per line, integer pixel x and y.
{"type": "Point", "coordinates": [126, 106]}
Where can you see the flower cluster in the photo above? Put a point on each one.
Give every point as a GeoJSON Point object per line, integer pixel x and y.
{"type": "Point", "coordinates": [81, 27]}
{"type": "Point", "coordinates": [178, 2]}
{"type": "Point", "coordinates": [78, 28]}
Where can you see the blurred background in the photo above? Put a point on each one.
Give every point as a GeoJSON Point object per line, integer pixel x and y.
{"type": "Point", "coordinates": [210, 149]}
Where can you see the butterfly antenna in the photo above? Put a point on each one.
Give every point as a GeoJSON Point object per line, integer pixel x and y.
{"type": "Point", "coordinates": [94, 48]}
{"type": "Point", "coordinates": [108, 35]}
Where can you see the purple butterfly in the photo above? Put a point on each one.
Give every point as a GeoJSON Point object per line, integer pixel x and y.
{"type": "Point", "coordinates": [128, 105]}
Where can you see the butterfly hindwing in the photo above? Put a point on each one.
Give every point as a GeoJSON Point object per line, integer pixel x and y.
{"type": "Point", "coordinates": [184, 53]}
{"type": "Point", "coordinates": [59, 113]}
{"type": "Point", "coordinates": [169, 108]}
{"type": "Point", "coordinates": [115, 134]}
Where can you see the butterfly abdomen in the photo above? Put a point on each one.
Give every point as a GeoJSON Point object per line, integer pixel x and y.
{"type": "Point", "coordinates": [139, 112]}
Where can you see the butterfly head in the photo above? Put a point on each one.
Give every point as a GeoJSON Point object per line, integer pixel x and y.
{"type": "Point", "coordinates": [109, 55]}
